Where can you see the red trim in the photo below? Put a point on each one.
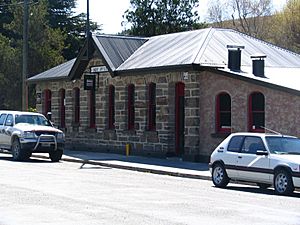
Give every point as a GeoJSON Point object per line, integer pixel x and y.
{"type": "Point", "coordinates": [251, 112]}
{"type": "Point", "coordinates": [151, 107]}
{"type": "Point", "coordinates": [62, 108]}
{"type": "Point", "coordinates": [179, 92]}
{"type": "Point", "coordinates": [111, 107]}
{"type": "Point", "coordinates": [92, 109]}
{"type": "Point", "coordinates": [47, 101]}
{"type": "Point", "coordinates": [219, 112]}
{"type": "Point", "coordinates": [76, 105]}
{"type": "Point", "coordinates": [130, 107]}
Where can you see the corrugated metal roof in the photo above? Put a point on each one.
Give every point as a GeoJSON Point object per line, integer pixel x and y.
{"type": "Point", "coordinates": [117, 49]}
{"type": "Point", "coordinates": [283, 77]}
{"type": "Point", "coordinates": [206, 47]}
{"type": "Point", "coordinates": [59, 72]}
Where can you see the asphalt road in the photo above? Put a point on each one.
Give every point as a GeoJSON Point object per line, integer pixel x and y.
{"type": "Point", "coordinates": [41, 192]}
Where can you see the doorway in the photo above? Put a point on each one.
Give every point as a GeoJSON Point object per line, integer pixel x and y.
{"type": "Point", "coordinates": [179, 118]}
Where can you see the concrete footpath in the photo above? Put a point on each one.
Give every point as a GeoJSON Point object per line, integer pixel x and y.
{"type": "Point", "coordinates": [169, 166]}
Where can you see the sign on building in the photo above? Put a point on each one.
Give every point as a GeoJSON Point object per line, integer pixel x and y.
{"type": "Point", "coordinates": [89, 82]}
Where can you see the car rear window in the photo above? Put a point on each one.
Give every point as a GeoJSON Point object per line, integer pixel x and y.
{"type": "Point", "coordinates": [235, 144]}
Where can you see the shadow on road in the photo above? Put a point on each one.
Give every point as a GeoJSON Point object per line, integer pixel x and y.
{"type": "Point", "coordinates": [87, 166]}
{"type": "Point", "coordinates": [31, 160]}
{"type": "Point", "coordinates": [257, 190]}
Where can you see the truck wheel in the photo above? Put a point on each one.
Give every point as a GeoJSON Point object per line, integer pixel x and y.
{"type": "Point", "coordinates": [56, 155]}
{"type": "Point", "coordinates": [17, 152]}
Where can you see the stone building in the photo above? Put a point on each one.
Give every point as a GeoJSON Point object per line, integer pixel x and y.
{"type": "Point", "coordinates": [171, 95]}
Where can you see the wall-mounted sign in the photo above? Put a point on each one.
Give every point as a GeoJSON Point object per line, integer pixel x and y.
{"type": "Point", "coordinates": [38, 98]}
{"type": "Point", "coordinates": [185, 75]}
{"type": "Point", "coordinates": [99, 69]}
{"type": "Point", "coordinates": [89, 82]}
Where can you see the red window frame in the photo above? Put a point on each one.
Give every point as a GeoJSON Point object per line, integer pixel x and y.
{"type": "Point", "coordinates": [47, 101]}
{"type": "Point", "coordinates": [76, 105]}
{"type": "Point", "coordinates": [152, 106]}
{"type": "Point", "coordinates": [111, 107]}
{"type": "Point", "coordinates": [255, 110]}
{"type": "Point", "coordinates": [62, 108]}
{"type": "Point", "coordinates": [220, 112]}
{"type": "Point", "coordinates": [130, 107]}
{"type": "Point", "coordinates": [92, 109]}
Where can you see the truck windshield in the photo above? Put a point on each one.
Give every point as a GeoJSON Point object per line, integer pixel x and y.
{"type": "Point", "coordinates": [284, 145]}
{"type": "Point", "coordinates": [32, 119]}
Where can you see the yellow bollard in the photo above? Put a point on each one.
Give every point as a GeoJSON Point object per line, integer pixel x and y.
{"type": "Point", "coordinates": [127, 149]}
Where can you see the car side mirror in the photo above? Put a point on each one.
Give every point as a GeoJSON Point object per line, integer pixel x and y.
{"type": "Point", "coordinates": [262, 152]}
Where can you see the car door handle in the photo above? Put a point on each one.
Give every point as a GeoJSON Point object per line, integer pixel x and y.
{"type": "Point", "coordinates": [240, 157]}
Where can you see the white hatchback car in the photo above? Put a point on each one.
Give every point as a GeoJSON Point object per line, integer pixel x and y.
{"type": "Point", "coordinates": [265, 159]}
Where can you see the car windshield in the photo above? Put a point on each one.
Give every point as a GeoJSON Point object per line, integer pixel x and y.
{"type": "Point", "coordinates": [32, 119]}
{"type": "Point", "coordinates": [284, 145]}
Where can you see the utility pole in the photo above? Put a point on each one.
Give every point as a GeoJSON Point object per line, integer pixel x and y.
{"type": "Point", "coordinates": [88, 27]}
{"type": "Point", "coordinates": [25, 58]}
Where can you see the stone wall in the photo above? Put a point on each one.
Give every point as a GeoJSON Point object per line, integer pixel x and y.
{"type": "Point", "coordinates": [201, 89]}
{"type": "Point", "coordinates": [155, 143]}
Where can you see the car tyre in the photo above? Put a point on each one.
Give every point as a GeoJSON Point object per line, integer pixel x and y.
{"type": "Point", "coordinates": [219, 176]}
{"type": "Point", "coordinates": [56, 155]}
{"type": "Point", "coordinates": [283, 183]}
{"type": "Point", "coordinates": [17, 152]}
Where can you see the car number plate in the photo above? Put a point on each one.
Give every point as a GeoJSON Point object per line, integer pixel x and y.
{"type": "Point", "coordinates": [46, 144]}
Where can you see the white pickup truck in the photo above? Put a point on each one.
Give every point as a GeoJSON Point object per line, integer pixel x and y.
{"type": "Point", "coordinates": [24, 133]}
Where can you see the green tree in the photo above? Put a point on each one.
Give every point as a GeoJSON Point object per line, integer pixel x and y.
{"type": "Point", "coordinates": [45, 48]}
{"type": "Point", "coordinates": [153, 17]}
{"type": "Point", "coordinates": [61, 16]}
{"type": "Point", "coordinates": [10, 91]}
{"type": "Point", "coordinates": [286, 26]}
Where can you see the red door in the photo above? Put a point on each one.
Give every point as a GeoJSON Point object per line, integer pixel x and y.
{"type": "Point", "coordinates": [179, 118]}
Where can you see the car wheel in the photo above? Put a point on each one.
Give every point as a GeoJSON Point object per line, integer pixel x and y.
{"type": "Point", "coordinates": [219, 176]}
{"type": "Point", "coordinates": [283, 183]}
{"type": "Point", "coordinates": [56, 155]}
{"type": "Point", "coordinates": [17, 152]}
{"type": "Point", "coordinates": [263, 186]}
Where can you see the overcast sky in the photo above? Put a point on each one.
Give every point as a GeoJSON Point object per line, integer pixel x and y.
{"type": "Point", "coordinates": [109, 12]}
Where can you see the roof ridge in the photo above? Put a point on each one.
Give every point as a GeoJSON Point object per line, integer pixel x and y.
{"type": "Point", "coordinates": [200, 51]}
{"type": "Point", "coordinates": [120, 36]}
{"type": "Point", "coordinates": [265, 42]}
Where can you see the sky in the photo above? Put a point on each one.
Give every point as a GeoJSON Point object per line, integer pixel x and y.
{"type": "Point", "coordinates": [109, 12]}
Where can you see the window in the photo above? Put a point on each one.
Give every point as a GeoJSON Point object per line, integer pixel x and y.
{"type": "Point", "coordinates": [111, 107]}
{"type": "Point", "coordinates": [76, 105]}
{"type": "Point", "coordinates": [2, 118]}
{"type": "Point", "coordinates": [223, 113]}
{"type": "Point", "coordinates": [256, 112]}
{"type": "Point", "coordinates": [47, 102]}
{"type": "Point", "coordinates": [92, 109]}
{"type": "Point", "coordinates": [151, 106]}
{"type": "Point", "coordinates": [62, 107]}
{"type": "Point", "coordinates": [235, 144]}
{"type": "Point", "coordinates": [9, 120]}
{"type": "Point", "coordinates": [130, 107]}
{"type": "Point", "coordinates": [252, 144]}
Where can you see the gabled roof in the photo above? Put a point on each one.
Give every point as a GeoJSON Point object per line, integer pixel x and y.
{"type": "Point", "coordinates": [59, 72]}
{"type": "Point", "coordinates": [117, 49]}
{"type": "Point", "coordinates": [206, 47]}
